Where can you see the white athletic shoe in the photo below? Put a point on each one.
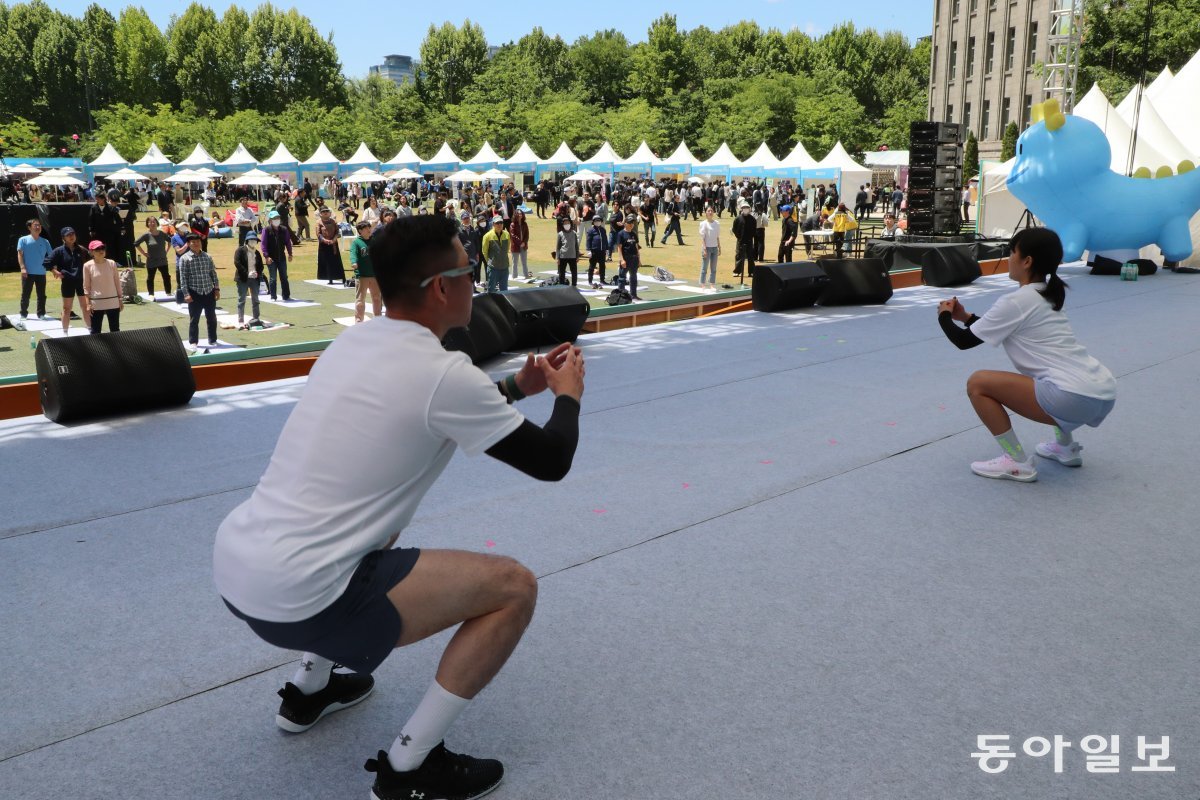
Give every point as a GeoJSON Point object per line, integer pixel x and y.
{"type": "Point", "coordinates": [1063, 454]}
{"type": "Point", "coordinates": [1006, 468]}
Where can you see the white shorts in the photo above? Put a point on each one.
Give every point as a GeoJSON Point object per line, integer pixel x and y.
{"type": "Point", "coordinates": [1068, 409]}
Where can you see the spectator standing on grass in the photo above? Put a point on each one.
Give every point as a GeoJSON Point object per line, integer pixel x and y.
{"type": "Point", "coordinates": [247, 274]}
{"type": "Point", "coordinates": [630, 257]}
{"type": "Point", "coordinates": [152, 246]}
{"type": "Point", "coordinates": [745, 228]}
{"type": "Point", "coordinates": [104, 223]}
{"type": "Point", "coordinates": [710, 249]}
{"type": "Point", "coordinates": [495, 250]}
{"type": "Point", "coordinates": [66, 261]}
{"type": "Point", "coordinates": [32, 252]}
{"type": "Point", "coordinates": [518, 234]}
{"type": "Point", "coordinates": [201, 290]}
{"type": "Point", "coordinates": [199, 225]}
{"type": "Point", "coordinates": [597, 245]}
{"type": "Point", "coordinates": [102, 286]}
{"type": "Point", "coordinates": [787, 239]}
{"type": "Point", "coordinates": [329, 253]}
{"type": "Point", "coordinates": [568, 253]}
{"type": "Point", "coordinates": [364, 274]}
{"type": "Point", "coordinates": [244, 219]}
{"type": "Point", "coordinates": [276, 246]}
{"type": "Point", "coordinates": [303, 203]}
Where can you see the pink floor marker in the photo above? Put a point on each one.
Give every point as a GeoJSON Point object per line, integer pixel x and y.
{"type": "Point", "coordinates": [941, 407]}
{"type": "Point", "coordinates": [890, 424]}
{"type": "Point", "coordinates": [833, 441]}
{"type": "Point", "coordinates": [489, 543]}
{"type": "Point", "coordinates": [766, 461]}
{"type": "Point", "coordinates": [687, 486]}
{"type": "Point", "coordinates": [599, 510]}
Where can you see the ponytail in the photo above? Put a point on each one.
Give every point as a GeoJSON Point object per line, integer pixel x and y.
{"type": "Point", "coordinates": [1045, 248]}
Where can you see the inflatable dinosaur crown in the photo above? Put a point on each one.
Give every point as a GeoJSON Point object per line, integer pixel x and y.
{"type": "Point", "coordinates": [1062, 175]}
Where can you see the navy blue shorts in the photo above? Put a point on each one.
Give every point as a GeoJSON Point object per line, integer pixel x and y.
{"type": "Point", "coordinates": [359, 629]}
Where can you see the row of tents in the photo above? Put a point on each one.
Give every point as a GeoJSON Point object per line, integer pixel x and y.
{"type": "Point", "coordinates": [836, 167]}
{"type": "Point", "coordinates": [1162, 129]}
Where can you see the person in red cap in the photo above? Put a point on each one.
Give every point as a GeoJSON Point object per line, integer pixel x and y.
{"type": "Point", "coordinates": [102, 287]}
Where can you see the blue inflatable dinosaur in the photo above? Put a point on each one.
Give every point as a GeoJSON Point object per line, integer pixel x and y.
{"type": "Point", "coordinates": [1062, 175]}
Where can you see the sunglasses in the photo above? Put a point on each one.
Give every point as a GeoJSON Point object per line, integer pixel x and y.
{"type": "Point", "coordinates": [450, 273]}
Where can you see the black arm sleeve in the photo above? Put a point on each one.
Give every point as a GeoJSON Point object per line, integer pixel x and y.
{"type": "Point", "coordinates": [962, 338]}
{"type": "Point", "coordinates": [544, 453]}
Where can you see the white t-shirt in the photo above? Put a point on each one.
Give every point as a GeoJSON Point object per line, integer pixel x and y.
{"type": "Point", "coordinates": [1041, 344]}
{"type": "Point", "coordinates": [383, 411]}
{"type": "Point", "coordinates": [710, 233]}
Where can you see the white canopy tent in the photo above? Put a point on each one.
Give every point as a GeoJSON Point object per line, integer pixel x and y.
{"type": "Point", "coordinates": [998, 212]}
{"type": "Point", "coordinates": [50, 178]}
{"type": "Point", "coordinates": [22, 169]}
{"type": "Point", "coordinates": [154, 162]}
{"type": "Point", "coordinates": [363, 158]}
{"type": "Point", "coordinates": [464, 176]}
{"type": "Point", "coordinates": [886, 159]}
{"type": "Point", "coordinates": [758, 164]}
{"type": "Point", "coordinates": [108, 161]}
{"type": "Point", "coordinates": [198, 158]}
{"type": "Point", "coordinates": [524, 160]}
{"type": "Point", "coordinates": [680, 162]}
{"type": "Point", "coordinates": [585, 175]}
{"type": "Point", "coordinates": [364, 175]}
{"type": "Point", "coordinates": [445, 160]}
{"type": "Point", "coordinates": [641, 161]}
{"type": "Point", "coordinates": [406, 158]}
{"type": "Point", "coordinates": [256, 177]}
{"type": "Point", "coordinates": [127, 174]}
{"type": "Point", "coordinates": [719, 163]}
{"type": "Point", "coordinates": [321, 162]}
{"type": "Point", "coordinates": [1156, 87]}
{"type": "Point", "coordinates": [563, 160]}
{"type": "Point", "coordinates": [281, 160]}
{"type": "Point", "coordinates": [187, 176]}
{"type": "Point", "coordinates": [794, 163]}
{"type": "Point", "coordinates": [1150, 126]}
{"type": "Point", "coordinates": [239, 161]}
{"type": "Point", "coordinates": [485, 159]}
{"type": "Point", "coordinates": [1179, 108]}
{"type": "Point", "coordinates": [604, 160]}
{"type": "Point", "coordinates": [854, 174]}
{"type": "Point", "coordinates": [496, 175]}
{"type": "Point", "coordinates": [403, 174]}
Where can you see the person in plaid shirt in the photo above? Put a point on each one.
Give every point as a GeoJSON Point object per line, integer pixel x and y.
{"type": "Point", "coordinates": [201, 290]}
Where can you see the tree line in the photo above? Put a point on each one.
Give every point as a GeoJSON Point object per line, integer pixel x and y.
{"type": "Point", "coordinates": [268, 76]}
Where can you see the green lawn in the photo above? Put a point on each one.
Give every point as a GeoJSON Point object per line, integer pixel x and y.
{"type": "Point", "coordinates": [317, 322]}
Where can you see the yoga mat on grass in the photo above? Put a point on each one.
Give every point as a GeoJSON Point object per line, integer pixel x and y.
{"type": "Point", "coordinates": [324, 285]}
{"type": "Point", "coordinates": [293, 303]}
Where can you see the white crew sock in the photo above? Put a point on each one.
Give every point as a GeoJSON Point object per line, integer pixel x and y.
{"type": "Point", "coordinates": [426, 727]}
{"type": "Point", "coordinates": [1010, 444]}
{"type": "Point", "coordinates": [313, 673]}
{"type": "Point", "coordinates": [1064, 438]}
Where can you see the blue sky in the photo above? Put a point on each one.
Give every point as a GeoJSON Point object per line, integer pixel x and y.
{"type": "Point", "coordinates": [365, 32]}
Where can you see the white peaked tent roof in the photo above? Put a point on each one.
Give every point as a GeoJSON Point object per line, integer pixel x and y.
{"type": "Point", "coordinates": [465, 176]}
{"type": "Point", "coordinates": [562, 157]}
{"type": "Point", "coordinates": [256, 177]}
{"type": "Point", "coordinates": [282, 158]}
{"type": "Point", "coordinates": [838, 157]}
{"type": "Point", "coordinates": [240, 158]}
{"type": "Point", "coordinates": [795, 162]}
{"type": "Point", "coordinates": [642, 160]}
{"type": "Point", "coordinates": [763, 159]}
{"type": "Point", "coordinates": [721, 161]}
{"type": "Point", "coordinates": [363, 157]}
{"type": "Point", "coordinates": [1095, 107]}
{"type": "Point", "coordinates": [405, 158]}
{"type": "Point", "coordinates": [322, 155]}
{"type": "Point", "coordinates": [1159, 84]}
{"type": "Point", "coordinates": [681, 160]}
{"type": "Point", "coordinates": [524, 157]}
{"type": "Point", "coordinates": [108, 158]}
{"type": "Point", "coordinates": [485, 158]}
{"type": "Point", "coordinates": [154, 161]}
{"type": "Point", "coordinates": [1151, 128]}
{"type": "Point", "coordinates": [198, 158]}
{"type": "Point", "coordinates": [604, 159]}
{"type": "Point", "coordinates": [445, 159]}
{"type": "Point", "coordinates": [1178, 107]}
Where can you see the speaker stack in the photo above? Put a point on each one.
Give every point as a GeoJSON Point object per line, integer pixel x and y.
{"type": "Point", "coordinates": [827, 282]}
{"type": "Point", "coordinates": [519, 320]}
{"type": "Point", "coordinates": [935, 178]}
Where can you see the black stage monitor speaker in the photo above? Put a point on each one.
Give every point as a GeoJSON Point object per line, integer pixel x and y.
{"type": "Point", "coordinates": [778, 287]}
{"type": "Point", "coordinates": [949, 265]}
{"type": "Point", "coordinates": [83, 377]}
{"type": "Point", "coordinates": [488, 334]}
{"type": "Point", "coordinates": [546, 316]}
{"type": "Point", "coordinates": [855, 281]}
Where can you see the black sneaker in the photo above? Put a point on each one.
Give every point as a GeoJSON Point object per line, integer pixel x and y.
{"type": "Point", "coordinates": [299, 711]}
{"type": "Point", "coordinates": [443, 775]}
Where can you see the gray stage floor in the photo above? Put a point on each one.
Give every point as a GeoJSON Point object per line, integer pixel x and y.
{"type": "Point", "coordinates": [771, 574]}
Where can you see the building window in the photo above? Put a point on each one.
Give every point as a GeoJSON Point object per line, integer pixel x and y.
{"type": "Point", "coordinates": [986, 123]}
{"type": "Point", "coordinates": [1032, 55]}
{"type": "Point", "coordinates": [974, 6]}
{"type": "Point", "coordinates": [949, 113]}
{"type": "Point", "coordinates": [1028, 108]}
{"type": "Point", "coordinates": [1005, 113]}
{"type": "Point", "coordinates": [954, 13]}
{"type": "Point", "coordinates": [991, 53]}
{"type": "Point", "coordinates": [953, 60]}
{"type": "Point", "coordinates": [1012, 48]}
{"type": "Point", "coordinates": [966, 116]}
{"type": "Point", "coordinates": [992, 4]}
{"type": "Point", "coordinates": [970, 56]}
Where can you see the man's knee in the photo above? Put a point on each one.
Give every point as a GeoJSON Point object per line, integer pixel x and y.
{"type": "Point", "coordinates": [976, 384]}
{"type": "Point", "coordinates": [519, 582]}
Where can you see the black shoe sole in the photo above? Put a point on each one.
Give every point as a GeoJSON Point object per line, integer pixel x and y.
{"type": "Point", "coordinates": [294, 727]}
{"type": "Point", "coordinates": [483, 793]}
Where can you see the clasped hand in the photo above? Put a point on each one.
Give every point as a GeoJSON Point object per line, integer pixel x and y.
{"type": "Point", "coordinates": [957, 312]}
{"type": "Point", "coordinates": [561, 371]}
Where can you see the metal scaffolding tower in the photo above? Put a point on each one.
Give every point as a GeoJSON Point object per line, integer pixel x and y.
{"type": "Point", "coordinates": [1062, 65]}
